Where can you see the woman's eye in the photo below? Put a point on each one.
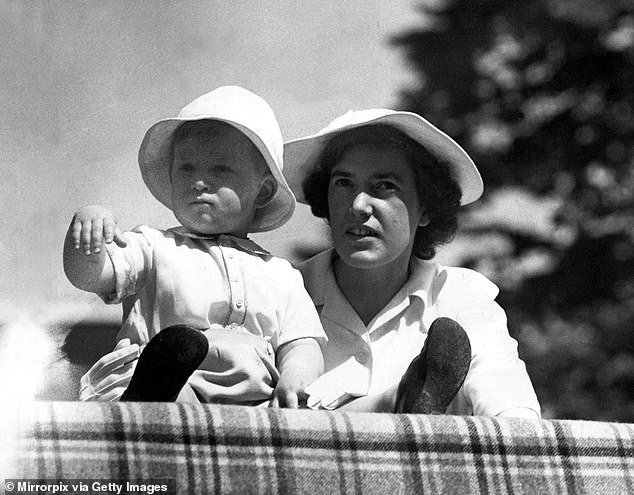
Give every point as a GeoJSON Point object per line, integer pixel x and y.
{"type": "Point", "coordinates": [185, 167]}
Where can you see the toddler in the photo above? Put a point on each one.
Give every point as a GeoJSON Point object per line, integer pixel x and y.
{"type": "Point", "coordinates": [217, 318]}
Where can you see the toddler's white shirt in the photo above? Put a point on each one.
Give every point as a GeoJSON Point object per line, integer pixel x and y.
{"type": "Point", "coordinates": [171, 277]}
{"type": "Point", "coordinates": [165, 278]}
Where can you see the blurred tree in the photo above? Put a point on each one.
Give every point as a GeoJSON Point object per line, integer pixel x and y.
{"type": "Point", "coordinates": [541, 94]}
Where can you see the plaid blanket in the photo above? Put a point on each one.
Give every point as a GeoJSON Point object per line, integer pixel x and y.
{"type": "Point", "coordinates": [232, 449]}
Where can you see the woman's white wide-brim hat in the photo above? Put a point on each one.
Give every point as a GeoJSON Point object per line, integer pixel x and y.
{"type": "Point", "coordinates": [245, 111]}
{"type": "Point", "coordinates": [301, 155]}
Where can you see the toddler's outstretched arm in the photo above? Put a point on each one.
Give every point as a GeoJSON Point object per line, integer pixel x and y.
{"type": "Point", "coordinates": [300, 363]}
{"type": "Point", "coordinates": [86, 265]}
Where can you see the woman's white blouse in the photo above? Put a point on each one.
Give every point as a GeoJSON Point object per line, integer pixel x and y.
{"type": "Point", "coordinates": [366, 360]}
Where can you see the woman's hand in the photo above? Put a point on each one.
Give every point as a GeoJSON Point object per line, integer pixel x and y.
{"type": "Point", "coordinates": [93, 225]}
{"type": "Point", "coordinates": [108, 378]}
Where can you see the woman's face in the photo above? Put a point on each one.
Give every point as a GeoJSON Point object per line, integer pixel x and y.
{"type": "Point", "coordinates": [374, 207]}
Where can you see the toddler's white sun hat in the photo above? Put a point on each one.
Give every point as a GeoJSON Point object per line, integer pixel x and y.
{"type": "Point", "coordinates": [248, 113]}
{"type": "Point", "coordinates": [301, 155]}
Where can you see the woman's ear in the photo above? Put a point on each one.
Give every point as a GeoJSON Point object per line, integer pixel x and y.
{"type": "Point", "coordinates": [267, 191]}
{"type": "Point", "coordinates": [424, 220]}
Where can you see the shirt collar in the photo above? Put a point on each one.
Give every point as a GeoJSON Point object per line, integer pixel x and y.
{"type": "Point", "coordinates": [227, 240]}
{"type": "Point", "coordinates": [421, 277]}
{"type": "Point", "coordinates": [319, 277]}
{"type": "Point", "coordinates": [320, 282]}
{"type": "Point", "coordinates": [321, 285]}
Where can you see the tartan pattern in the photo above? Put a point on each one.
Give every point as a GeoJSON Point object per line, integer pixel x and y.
{"type": "Point", "coordinates": [234, 449]}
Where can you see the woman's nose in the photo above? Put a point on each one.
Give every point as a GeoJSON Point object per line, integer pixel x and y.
{"type": "Point", "coordinates": [361, 204]}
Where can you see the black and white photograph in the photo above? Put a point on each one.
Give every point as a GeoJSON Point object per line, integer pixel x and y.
{"type": "Point", "coordinates": [288, 247]}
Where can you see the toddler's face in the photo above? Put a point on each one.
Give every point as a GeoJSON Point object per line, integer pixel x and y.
{"type": "Point", "coordinates": [217, 183]}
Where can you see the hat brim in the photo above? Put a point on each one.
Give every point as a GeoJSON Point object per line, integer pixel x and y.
{"type": "Point", "coordinates": [155, 164]}
{"type": "Point", "coordinates": [301, 155]}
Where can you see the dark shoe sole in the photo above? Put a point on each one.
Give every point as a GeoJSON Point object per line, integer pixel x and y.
{"type": "Point", "coordinates": [166, 364]}
{"type": "Point", "coordinates": [434, 377]}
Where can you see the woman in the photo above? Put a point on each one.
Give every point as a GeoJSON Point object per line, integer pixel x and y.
{"type": "Point", "coordinates": [390, 185]}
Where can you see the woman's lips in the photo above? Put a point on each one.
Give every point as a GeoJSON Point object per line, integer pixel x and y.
{"type": "Point", "coordinates": [361, 231]}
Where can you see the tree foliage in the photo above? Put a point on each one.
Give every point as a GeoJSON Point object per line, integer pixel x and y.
{"type": "Point", "coordinates": [541, 94]}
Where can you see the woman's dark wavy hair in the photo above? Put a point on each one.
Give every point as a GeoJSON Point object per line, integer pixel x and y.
{"type": "Point", "coordinates": [438, 191]}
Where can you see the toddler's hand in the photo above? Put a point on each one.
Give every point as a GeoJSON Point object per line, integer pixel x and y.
{"type": "Point", "coordinates": [300, 362]}
{"type": "Point", "coordinates": [93, 225]}
{"type": "Point", "coordinates": [289, 392]}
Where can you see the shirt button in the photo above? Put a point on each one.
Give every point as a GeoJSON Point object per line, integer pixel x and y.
{"type": "Point", "coordinates": [363, 356]}
{"type": "Point", "coordinates": [239, 303]}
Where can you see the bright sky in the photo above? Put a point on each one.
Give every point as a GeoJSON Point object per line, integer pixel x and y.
{"type": "Point", "coordinates": [83, 80]}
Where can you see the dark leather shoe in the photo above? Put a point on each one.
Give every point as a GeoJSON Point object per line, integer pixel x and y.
{"type": "Point", "coordinates": [434, 377]}
{"type": "Point", "coordinates": [165, 364]}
